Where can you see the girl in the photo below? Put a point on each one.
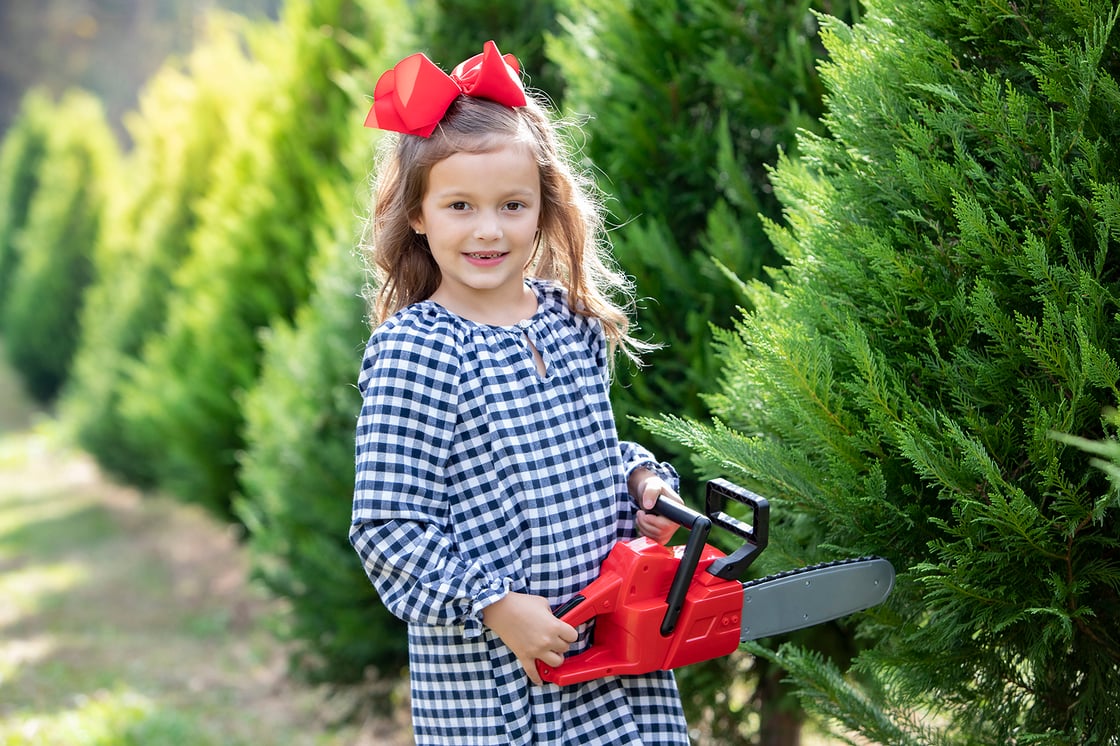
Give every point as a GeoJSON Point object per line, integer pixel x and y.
{"type": "Point", "coordinates": [490, 481]}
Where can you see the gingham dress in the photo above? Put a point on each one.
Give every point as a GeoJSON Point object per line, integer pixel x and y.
{"type": "Point", "coordinates": [477, 476]}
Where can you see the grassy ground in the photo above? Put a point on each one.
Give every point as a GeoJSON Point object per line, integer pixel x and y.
{"type": "Point", "coordinates": [128, 620]}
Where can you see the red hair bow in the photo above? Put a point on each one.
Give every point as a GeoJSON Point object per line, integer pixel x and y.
{"type": "Point", "coordinates": [414, 95]}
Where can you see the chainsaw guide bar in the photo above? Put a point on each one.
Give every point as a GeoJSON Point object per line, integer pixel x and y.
{"type": "Point", "coordinates": [812, 595]}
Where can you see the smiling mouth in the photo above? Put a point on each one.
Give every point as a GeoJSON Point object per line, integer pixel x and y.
{"type": "Point", "coordinates": [487, 255]}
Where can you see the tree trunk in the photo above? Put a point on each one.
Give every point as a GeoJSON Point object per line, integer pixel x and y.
{"type": "Point", "coordinates": [780, 716]}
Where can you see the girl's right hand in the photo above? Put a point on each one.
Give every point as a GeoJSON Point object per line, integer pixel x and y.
{"type": "Point", "coordinates": [525, 623]}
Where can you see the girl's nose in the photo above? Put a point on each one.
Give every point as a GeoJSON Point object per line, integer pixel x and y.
{"type": "Point", "coordinates": [488, 227]}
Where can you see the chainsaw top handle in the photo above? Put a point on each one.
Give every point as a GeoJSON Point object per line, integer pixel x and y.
{"type": "Point", "coordinates": [755, 536]}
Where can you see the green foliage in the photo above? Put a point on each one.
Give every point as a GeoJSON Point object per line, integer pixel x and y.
{"type": "Point", "coordinates": [247, 265]}
{"type": "Point", "coordinates": [298, 474]}
{"type": "Point", "coordinates": [857, 710]}
{"type": "Point", "coordinates": [184, 121]}
{"type": "Point", "coordinates": [453, 30]}
{"type": "Point", "coordinates": [51, 247]}
{"type": "Point", "coordinates": [947, 305]}
{"type": "Point", "coordinates": [297, 467]}
{"type": "Point", "coordinates": [689, 105]}
{"type": "Point", "coordinates": [21, 156]}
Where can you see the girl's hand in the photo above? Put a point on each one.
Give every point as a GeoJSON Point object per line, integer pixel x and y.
{"type": "Point", "coordinates": [645, 487]}
{"type": "Point", "coordinates": [525, 623]}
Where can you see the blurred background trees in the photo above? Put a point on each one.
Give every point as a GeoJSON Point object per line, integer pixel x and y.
{"type": "Point", "coordinates": [61, 161]}
{"type": "Point", "coordinates": [875, 242]}
{"type": "Point", "coordinates": [108, 46]}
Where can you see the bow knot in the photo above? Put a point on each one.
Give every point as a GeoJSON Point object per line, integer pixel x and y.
{"type": "Point", "coordinates": [413, 97]}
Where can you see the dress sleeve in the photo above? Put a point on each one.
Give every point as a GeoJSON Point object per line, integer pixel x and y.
{"type": "Point", "coordinates": [635, 455]}
{"type": "Point", "coordinates": [400, 516]}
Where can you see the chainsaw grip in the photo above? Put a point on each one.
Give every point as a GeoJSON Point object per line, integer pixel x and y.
{"type": "Point", "coordinates": [676, 512]}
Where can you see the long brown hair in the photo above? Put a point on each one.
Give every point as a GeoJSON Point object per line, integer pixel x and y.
{"type": "Point", "coordinates": [572, 245]}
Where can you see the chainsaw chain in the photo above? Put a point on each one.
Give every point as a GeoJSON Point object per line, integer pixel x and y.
{"type": "Point", "coordinates": [807, 568]}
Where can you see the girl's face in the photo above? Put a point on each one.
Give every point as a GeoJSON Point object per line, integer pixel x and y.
{"type": "Point", "coordinates": [480, 214]}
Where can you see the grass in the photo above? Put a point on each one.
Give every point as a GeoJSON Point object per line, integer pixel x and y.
{"type": "Point", "coordinates": [128, 619]}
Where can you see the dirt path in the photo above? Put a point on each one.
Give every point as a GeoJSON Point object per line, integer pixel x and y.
{"type": "Point", "coordinates": [128, 619]}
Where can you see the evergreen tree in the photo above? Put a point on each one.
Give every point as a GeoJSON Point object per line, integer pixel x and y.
{"type": "Point", "coordinates": [53, 247]}
{"type": "Point", "coordinates": [298, 475]}
{"type": "Point", "coordinates": [247, 266]}
{"type": "Point", "coordinates": [21, 157]}
{"type": "Point", "coordinates": [688, 105]}
{"type": "Point", "coordinates": [949, 304]}
{"type": "Point", "coordinates": [297, 470]}
{"type": "Point", "coordinates": [182, 124]}
{"type": "Point", "coordinates": [453, 30]}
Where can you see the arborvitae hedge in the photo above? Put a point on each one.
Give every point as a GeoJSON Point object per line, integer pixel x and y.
{"type": "Point", "coordinates": [298, 474]}
{"type": "Point", "coordinates": [21, 158]}
{"type": "Point", "coordinates": [297, 470]}
{"type": "Point", "coordinates": [51, 266]}
{"type": "Point", "coordinates": [247, 266]}
{"type": "Point", "coordinates": [950, 303]}
{"type": "Point", "coordinates": [688, 106]}
{"type": "Point", "coordinates": [183, 122]}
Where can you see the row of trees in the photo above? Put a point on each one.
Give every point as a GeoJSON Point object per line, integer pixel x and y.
{"type": "Point", "coordinates": [923, 373]}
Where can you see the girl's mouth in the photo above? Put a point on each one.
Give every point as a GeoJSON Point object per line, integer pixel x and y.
{"type": "Point", "coordinates": [486, 258]}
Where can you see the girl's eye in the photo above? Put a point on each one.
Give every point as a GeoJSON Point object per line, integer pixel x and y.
{"type": "Point", "coordinates": [458, 205]}
{"type": "Point", "coordinates": [514, 206]}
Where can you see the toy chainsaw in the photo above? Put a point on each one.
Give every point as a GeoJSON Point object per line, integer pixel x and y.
{"type": "Point", "coordinates": [658, 607]}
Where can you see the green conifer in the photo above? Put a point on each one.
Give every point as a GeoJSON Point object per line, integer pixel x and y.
{"type": "Point", "coordinates": [182, 123]}
{"type": "Point", "coordinates": [248, 262]}
{"type": "Point", "coordinates": [688, 104]}
{"type": "Point", "coordinates": [297, 468]}
{"type": "Point", "coordinates": [298, 473]}
{"type": "Point", "coordinates": [949, 303]}
{"type": "Point", "coordinates": [21, 158]}
{"type": "Point", "coordinates": [52, 250]}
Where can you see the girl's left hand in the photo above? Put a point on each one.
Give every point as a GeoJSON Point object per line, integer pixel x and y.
{"type": "Point", "coordinates": [645, 487]}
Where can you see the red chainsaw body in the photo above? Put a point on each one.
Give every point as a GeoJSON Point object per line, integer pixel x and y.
{"type": "Point", "coordinates": [628, 603]}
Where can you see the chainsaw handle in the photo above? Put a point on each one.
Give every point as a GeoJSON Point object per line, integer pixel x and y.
{"type": "Point", "coordinates": [698, 525]}
{"type": "Point", "coordinates": [756, 534]}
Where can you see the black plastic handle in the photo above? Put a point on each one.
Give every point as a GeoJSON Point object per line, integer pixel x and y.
{"type": "Point", "coordinates": [756, 534]}
{"type": "Point", "coordinates": [699, 525]}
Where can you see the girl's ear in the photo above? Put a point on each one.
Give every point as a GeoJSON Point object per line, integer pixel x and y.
{"type": "Point", "coordinates": [417, 224]}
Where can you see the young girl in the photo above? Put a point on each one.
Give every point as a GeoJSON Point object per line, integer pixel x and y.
{"type": "Point", "coordinates": [490, 481]}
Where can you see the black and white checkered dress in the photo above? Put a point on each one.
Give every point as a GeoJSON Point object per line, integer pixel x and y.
{"type": "Point", "coordinates": [477, 476]}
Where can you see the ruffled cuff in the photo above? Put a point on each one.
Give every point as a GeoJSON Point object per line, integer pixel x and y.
{"type": "Point", "coordinates": [635, 456]}
{"type": "Point", "coordinates": [497, 589]}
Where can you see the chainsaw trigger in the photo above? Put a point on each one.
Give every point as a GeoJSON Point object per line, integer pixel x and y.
{"type": "Point", "coordinates": [560, 611]}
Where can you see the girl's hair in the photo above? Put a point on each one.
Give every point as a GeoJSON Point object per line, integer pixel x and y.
{"type": "Point", "coordinates": [572, 246]}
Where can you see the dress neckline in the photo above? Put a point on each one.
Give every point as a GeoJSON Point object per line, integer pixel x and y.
{"type": "Point", "coordinates": [517, 326]}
